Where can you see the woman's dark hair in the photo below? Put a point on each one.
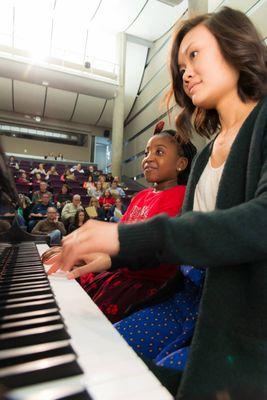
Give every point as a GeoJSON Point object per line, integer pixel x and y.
{"type": "Point", "coordinates": [66, 186]}
{"type": "Point", "coordinates": [185, 149]}
{"type": "Point", "coordinates": [241, 46]}
{"type": "Point", "coordinates": [76, 217]}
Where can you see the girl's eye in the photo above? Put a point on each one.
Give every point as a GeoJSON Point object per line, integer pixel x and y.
{"type": "Point", "coordinates": [193, 54]}
{"type": "Point", "coordinates": [146, 153]}
{"type": "Point", "coordinates": [160, 152]}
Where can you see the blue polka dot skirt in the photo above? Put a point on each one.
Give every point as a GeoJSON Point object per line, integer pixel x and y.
{"type": "Point", "coordinates": [163, 331]}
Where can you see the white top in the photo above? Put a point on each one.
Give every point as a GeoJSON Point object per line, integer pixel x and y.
{"type": "Point", "coordinates": [207, 188]}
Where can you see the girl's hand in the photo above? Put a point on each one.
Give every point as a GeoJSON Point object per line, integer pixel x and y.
{"type": "Point", "coordinates": [91, 237]}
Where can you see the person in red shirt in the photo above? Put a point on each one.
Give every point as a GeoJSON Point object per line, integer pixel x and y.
{"type": "Point", "coordinates": [106, 202]}
{"type": "Point", "coordinates": [166, 165]}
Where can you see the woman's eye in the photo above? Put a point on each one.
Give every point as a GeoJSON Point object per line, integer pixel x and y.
{"type": "Point", "coordinates": [182, 71]}
{"type": "Point", "coordinates": [193, 54]}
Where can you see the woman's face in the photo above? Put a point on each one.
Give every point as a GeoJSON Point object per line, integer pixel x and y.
{"type": "Point", "coordinates": [161, 161]}
{"type": "Point", "coordinates": [98, 185]}
{"type": "Point", "coordinates": [64, 189]}
{"type": "Point", "coordinates": [81, 216]}
{"type": "Point", "coordinates": [208, 79]}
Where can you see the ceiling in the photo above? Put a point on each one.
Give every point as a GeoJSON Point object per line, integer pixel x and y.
{"type": "Point", "coordinates": [44, 45]}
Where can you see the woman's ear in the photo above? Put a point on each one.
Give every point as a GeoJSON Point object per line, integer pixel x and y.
{"type": "Point", "coordinates": [181, 164]}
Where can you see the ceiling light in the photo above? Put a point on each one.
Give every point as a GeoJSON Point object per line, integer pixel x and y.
{"type": "Point", "coordinates": [45, 83]}
{"type": "Point", "coordinates": [37, 118]}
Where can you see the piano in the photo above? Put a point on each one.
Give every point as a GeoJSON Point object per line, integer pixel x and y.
{"type": "Point", "coordinates": [55, 344]}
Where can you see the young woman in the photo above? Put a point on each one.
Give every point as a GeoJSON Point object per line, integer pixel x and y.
{"type": "Point", "coordinates": [63, 196]}
{"type": "Point", "coordinates": [80, 218]}
{"type": "Point", "coordinates": [98, 191]}
{"type": "Point", "coordinates": [89, 185]}
{"type": "Point", "coordinates": [219, 77]}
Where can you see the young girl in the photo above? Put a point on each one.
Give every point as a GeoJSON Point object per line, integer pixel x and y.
{"type": "Point", "coordinates": [219, 77]}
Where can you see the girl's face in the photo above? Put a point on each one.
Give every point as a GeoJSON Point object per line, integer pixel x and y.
{"type": "Point", "coordinates": [161, 162]}
{"type": "Point", "coordinates": [208, 79]}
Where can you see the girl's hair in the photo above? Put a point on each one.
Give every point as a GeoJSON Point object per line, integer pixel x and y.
{"type": "Point", "coordinates": [185, 149]}
{"type": "Point", "coordinates": [241, 46]}
{"type": "Point", "coordinates": [76, 218]}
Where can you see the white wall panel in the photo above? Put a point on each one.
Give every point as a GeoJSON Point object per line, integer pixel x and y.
{"type": "Point", "coordinates": [28, 96]}
{"type": "Point", "coordinates": [88, 109]}
{"type": "Point", "coordinates": [243, 5]}
{"type": "Point", "coordinates": [156, 64]}
{"type": "Point", "coordinates": [106, 118]}
{"type": "Point", "coordinates": [59, 103]}
{"type": "Point", "coordinates": [6, 94]}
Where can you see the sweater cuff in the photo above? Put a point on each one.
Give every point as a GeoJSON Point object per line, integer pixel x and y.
{"type": "Point", "coordinates": [141, 243]}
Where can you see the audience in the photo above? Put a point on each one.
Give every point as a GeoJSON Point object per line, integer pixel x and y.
{"type": "Point", "coordinates": [39, 210]}
{"type": "Point", "coordinates": [13, 163]}
{"type": "Point", "coordinates": [116, 190]}
{"type": "Point", "coordinates": [89, 185]}
{"type": "Point", "coordinates": [77, 168]}
{"type": "Point", "coordinates": [63, 197]}
{"type": "Point", "coordinates": [38, 195]}
{"type": "Point", "coordinates": [70, 209]}
{"type": "Point", "coordinates": [117, 211]}
{"type": "Point", "coordinates": [52, 171]}
{"type": "Point", "coordinates": [67, 176]}
{"type": "Point", "coordinates": [50, 226]}
{"type": "Point", "coordinates": [98, 191]}
{"type": "Point", "coordinates": [39, 170]}
{"type": "Point", "coordinates": [79, 219]}
{"type": "Point", "coordinates": [106, 201]}
{"type": "Point", "coordinates": [23, 179]}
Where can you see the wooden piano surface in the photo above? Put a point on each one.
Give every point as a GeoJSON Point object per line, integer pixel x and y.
{"type": "Point", "coordinates": [112, 371]}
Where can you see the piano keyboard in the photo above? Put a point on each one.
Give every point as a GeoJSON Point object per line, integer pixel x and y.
{"type": "Point", "coordinates": [46, 324]}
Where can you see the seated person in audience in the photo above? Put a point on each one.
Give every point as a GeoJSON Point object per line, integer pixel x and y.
{"type": "Point", "coordinates": [70, 209]}
{"type": "Point", "coordinates": [13, 163]}
{"type": "Point", "coordinates": [109, 178]}
{"type": "Point", "coordinates": [166, 164]}
{"type": "Point", "coordinates": [50, 226]}
{"type": "Point", "coordinates": [24, 207]}
{"type": "Point", "coordinates": [37, 179]}
{"type": "Point", "coordinates": [39, 170]}
{"type": "Point", "coordinates": [117, 211]}
{"type": "Point", "coordinates": [98, 191]}
{"type": "Point", "coordinates": [67, 176]}
{"type": "Point", "coordinates": [89, 185]}
{"type": "Point", "coordinates": [38, 195]}
{"type": "Point", "coordinates": [106, 201]}
{"type": "Point", "coordinates": [93, 172]}
{"type": "Point", "coordinates": [94, 210]}
{"type": "Point", "coordinates": [102, 179]}
{"type": "Point", "coordinates": [23, 179]}
{"type": "Point", "coordinates": [52, 171]}
{"type": "Point", "coordinates": [77, 168]}
{"type": "Point", "coordinates": [39, 210]}
{"type": "Point", "coordinates": [79, 219]}
{"type": "Point", "coordinates": [60, 156]}
{"type": "Point", "coordinates": [116, 191]}
{"type": "Point", "coordinates": [63, 197]}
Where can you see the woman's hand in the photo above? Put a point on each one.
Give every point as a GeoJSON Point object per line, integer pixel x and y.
{"type": "Point", "coordinates": [92, 237]}
{"type": "Point", "coordinates": [94, 262]}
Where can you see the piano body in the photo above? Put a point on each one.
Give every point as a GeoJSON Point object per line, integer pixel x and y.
{"type": "Point", "coordinates": [54, 341]}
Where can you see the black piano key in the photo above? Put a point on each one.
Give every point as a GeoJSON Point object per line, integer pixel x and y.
{"type": "Point", "coordinates": [13, 357]}
{"type": "Point", "coordinates": [24, 299]}
{"type": "Point", "coordinates": [26, 307]}
{"type": "Point", "coordinates": [11, 295]}
{"type": "Point", "coordinates": [38, 335]}
{"type": "Point", "coordinates": [31, 314]}
{"type": "Point", "coordinates": [29, 323]}
{"type": "Point", "coordinates": [44, 370]}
